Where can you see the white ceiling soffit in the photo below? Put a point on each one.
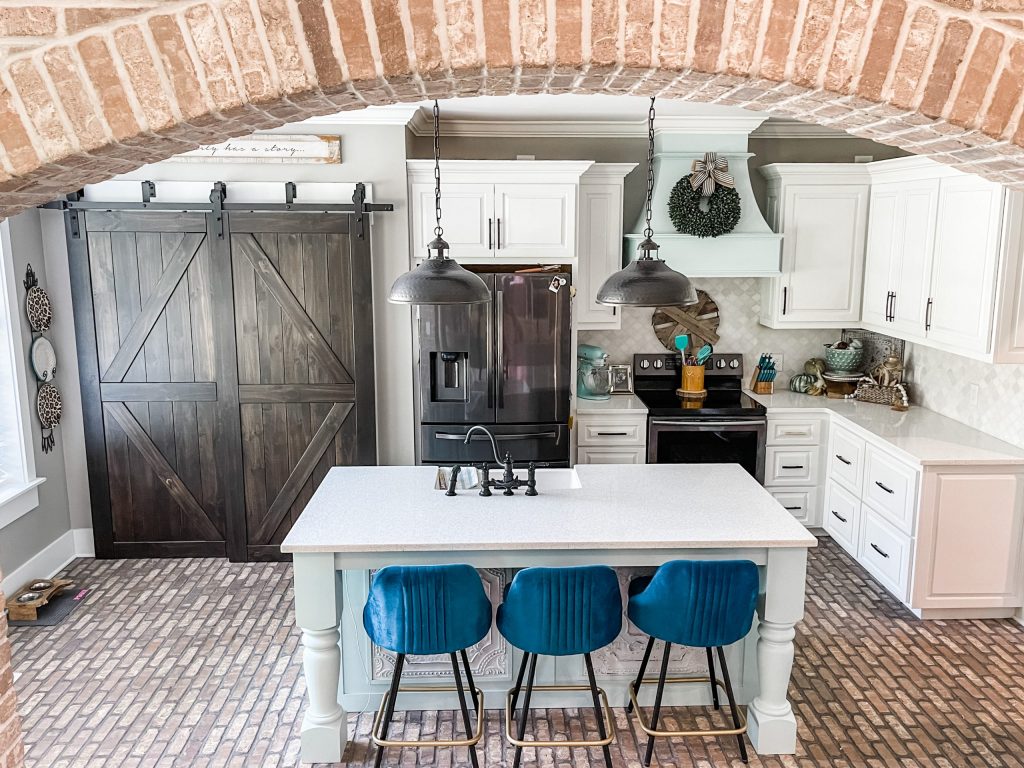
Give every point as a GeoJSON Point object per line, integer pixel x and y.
{"type": "Point", "coordinates": [569, 116]}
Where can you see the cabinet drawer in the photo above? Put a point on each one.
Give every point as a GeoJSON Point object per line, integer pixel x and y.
{"type": "Point", "coordinates": [607, 430]}
{"type": "Point", "coordinates": [606, 455]}
{"type": "Point", "coordinates": [842, 516]}
{"type": "Point", "coordinates": [846, 458]}
{"type": "Point", "coordinates": [890, 486]}
{"type": "Point", "coordinates": [801, 503]}
{"type": "Point", "coordinates": [884, 552]}
{"type": "Point", "coordinates": [794, 431]}
{"type": "Point", "coordinates": [791, 466]}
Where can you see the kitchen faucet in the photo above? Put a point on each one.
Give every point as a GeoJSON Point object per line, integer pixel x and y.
{"type": "Point", "coordinates": [509, 481]}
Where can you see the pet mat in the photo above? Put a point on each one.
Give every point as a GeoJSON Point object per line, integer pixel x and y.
{"type": "Point", "coordinates": [58, 609]}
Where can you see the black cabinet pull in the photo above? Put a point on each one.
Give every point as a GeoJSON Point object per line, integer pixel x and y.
{"type": "Point", "coordinates": [794, 509]}
{"type": "Point", "coordinates": [884, 487]}
{"type": "Point", "coordinates": [843, 459]}
{"type": "Point", "coordinates": [879, 550]}
{"type": "Point", "coordinates": [838, 517]}
{"type": "Point", "coordinates": [499, 233]}
{"type": "Point", "coordinates": [785, 296]}
{"type": "Point", "coordinates": [613, 434]}
{"type": "Point", "coordinates": [792, 466]}
{"type": "Point", "coordinates": [490, 234]}
{"type": "Point", "coordinates": [928, 315]}
{"type": "Point", "coordinates": [892, 312]}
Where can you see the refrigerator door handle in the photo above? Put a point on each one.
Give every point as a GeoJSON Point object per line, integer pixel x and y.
{"type": "Point", "coordinates": [498, 438]}
{"type": "Point", "coordinates": [499, 313]}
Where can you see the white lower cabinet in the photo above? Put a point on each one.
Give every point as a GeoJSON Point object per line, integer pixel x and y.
{"type": "Point", "coordinates": [884, 552]}
{"type": "Point", "coordinates": [792, 472]}
{"type": "Point", "coordinates": [842, 516]}
{"type": "Point", "coordinates": [619, 438]}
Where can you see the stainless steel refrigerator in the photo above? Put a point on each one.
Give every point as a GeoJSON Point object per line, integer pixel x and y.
{"type": "Point", "coordinates": [505, 365]}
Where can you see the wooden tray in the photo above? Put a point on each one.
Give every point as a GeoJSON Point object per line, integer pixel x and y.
{"type": "Point", "coordinates": [21, 607]}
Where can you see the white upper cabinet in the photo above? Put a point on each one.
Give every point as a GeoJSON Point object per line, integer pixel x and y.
{"type": "Point", "coordinates": [501, 210]}
{"type": "Point", "coordinates": [821, 211]}
{"type": "Point", "coordinates": [943, 264]}
{"type": "Point", "coordinates": [600, 242]}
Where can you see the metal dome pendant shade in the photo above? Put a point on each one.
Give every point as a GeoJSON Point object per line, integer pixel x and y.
{"type": "Point", "coordinates": [648, 281]}
{"type": "Point", "coordinates": [438, 279]}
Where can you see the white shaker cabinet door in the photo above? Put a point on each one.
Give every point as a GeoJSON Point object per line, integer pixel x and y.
{"type": "Point", "coordinates": [882, 253]}
{"type": "Point", "coordinates": [467, 215]}
{"type": "Point", "coordinates": [535, 220]}
{"type": "Point", "coordinates": [823, 253]}
{"type": "Point", "coordinates": [600, 253]}
{"type": "Point", "coordinates": [959, 315]}
{"type": "Point", "coordinates": [916, 214]}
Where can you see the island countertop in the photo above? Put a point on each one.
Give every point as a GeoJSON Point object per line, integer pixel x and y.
{"type": "Point", "coordinates": [618, 506]}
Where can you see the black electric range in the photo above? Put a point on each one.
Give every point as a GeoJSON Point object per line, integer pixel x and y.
{"type": "Point", "coordinates": [725, 426]}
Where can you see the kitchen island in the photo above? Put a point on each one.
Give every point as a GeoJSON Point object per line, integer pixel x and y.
{"type": "Point", "coordinates": [625, 516]}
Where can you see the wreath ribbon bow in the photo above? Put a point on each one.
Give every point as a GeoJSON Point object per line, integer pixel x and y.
{"type": "Point", "coordinates": [710, 171]}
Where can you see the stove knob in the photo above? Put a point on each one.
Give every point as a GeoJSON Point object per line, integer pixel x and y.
{"type": "Point", "coordinates": [659, 363]}
{"type": "Point", "coordinates": [645, 363]}
{"type": "Point", "coordinates": [734, 363]}
{"type": "Point", "coordinates": [720, 364]}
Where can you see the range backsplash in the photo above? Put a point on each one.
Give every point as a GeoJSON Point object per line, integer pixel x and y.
{"type": "Point", "coordinates": [739, 304]}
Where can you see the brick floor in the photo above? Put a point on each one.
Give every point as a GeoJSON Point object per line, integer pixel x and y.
{"type": "Point", "coordinates": [196, 663]}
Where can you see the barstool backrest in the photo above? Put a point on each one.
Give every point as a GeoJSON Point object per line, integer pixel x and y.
{"type": "Point", "coordinates": [562, 611]}
{"type": "Point", "coordinates": [699, 603]}
{"type": "Point", "coordinates": [426, 609]}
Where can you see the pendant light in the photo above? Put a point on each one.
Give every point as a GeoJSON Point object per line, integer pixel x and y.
{"type": "Point", "coordinates": [648, 281]}
{"type": "Point", "coordinates": [438, 279]}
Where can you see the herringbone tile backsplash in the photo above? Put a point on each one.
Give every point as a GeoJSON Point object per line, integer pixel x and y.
{"type": "Point", "coordinates": [739, 303]}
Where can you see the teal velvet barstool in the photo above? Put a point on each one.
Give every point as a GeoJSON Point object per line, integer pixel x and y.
{"type": "Point", "coordinates": [560, 612]}
{"type": "Point", "coordinates": [422, 611]}
{"type": "Point", "coordinates": [699, 603]}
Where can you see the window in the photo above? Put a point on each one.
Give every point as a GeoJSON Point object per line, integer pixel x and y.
{"type": "Point", "coordinates": [18, 480]}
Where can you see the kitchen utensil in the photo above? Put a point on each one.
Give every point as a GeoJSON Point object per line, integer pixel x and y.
{"type": "Point", "coordinates": [682, 342]}
{"type": "Point", "coordinates": [704, 353]}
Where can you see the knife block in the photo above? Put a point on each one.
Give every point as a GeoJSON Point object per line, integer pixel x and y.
{"type": "Point", "coordinates": [761, 387]}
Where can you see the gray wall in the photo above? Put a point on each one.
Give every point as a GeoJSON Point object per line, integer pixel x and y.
{"type": "Point", "coordinates": [33, 532]}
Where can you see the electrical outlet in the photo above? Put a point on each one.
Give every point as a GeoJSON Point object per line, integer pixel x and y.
{"type": "Point", "coordinates": [973, 392]}
{"type": "Point", "coordinates": [780, 360]}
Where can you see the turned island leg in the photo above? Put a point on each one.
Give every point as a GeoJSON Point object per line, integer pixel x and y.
{"type": "Point", "coordinates": [771, 723]}
{"type": "Point", "coordinates": [318, 612]}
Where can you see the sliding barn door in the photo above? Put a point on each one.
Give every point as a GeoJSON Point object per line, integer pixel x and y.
{"type": "Point", "coordinates": [300, 284]}
{"type": "Point", "coordinates": [221, 375]}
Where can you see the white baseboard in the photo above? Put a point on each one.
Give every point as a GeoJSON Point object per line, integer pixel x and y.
{"type": "Point", "coordinates": [52, 560]}
{"type": "Point", "coordinates": [84, 546]}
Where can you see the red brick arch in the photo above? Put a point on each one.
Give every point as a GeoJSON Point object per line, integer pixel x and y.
{"type": "Point", "coordinates": [90, 88]}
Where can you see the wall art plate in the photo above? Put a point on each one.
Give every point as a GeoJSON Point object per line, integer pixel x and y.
{"type": "Point", "coordinates": [48, 408]}
{"type": "Point", "coordinates": [38, 309]}
{"type": "Point", "coordinates": [43, 359]}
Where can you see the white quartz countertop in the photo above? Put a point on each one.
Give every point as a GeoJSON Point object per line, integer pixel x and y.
{"type": "Point", "coordinates": [618, 507]}
{"type": "Point", "coordinates": [614, 405]}
{"type": "Point", "coordinates": [923, 436]}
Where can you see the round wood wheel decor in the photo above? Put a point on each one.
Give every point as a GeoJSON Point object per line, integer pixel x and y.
{"type": "Point", "coordinates": [699, 321]}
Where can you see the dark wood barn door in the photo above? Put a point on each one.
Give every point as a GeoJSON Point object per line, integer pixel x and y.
{"type": "Point", "coordinates": [299, 280]}
{"type": "Point", "coordinates": [222, 376]}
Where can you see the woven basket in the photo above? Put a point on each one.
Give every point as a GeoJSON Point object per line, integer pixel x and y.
{"type": "Point", "coordinates": [876, 393]}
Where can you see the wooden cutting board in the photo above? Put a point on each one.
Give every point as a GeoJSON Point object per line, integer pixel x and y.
{"type": "Point", "coordinates": [699, 321]}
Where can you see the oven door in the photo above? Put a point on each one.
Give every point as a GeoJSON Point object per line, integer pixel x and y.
{"type": "Point", "coordinates": [722, 441]}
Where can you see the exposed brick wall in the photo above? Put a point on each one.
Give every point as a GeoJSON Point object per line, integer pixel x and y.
{"type": "Point", "coordinates": [12, 751]}
{"type": "Point", "coordinates": [90, 88]}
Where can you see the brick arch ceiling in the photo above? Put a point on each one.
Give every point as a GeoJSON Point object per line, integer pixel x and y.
{"type": "Point", "coordinates": [90, 88]}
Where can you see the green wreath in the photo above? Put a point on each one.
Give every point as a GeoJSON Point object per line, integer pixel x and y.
{"type": "Point", "coordinates": [688, 217]}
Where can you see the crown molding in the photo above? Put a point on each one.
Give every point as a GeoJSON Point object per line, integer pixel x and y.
{"type": "Point", "coordinates": [395, 114]}
{"type": "Point", "coordinates": [778, 128]}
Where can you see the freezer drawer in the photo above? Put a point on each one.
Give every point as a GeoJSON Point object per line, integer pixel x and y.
{"type": "Point", "coordinates": [444, 443]}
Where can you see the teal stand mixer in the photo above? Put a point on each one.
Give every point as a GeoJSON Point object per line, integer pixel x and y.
{"type": "Point", "coordinates": [593, 376]}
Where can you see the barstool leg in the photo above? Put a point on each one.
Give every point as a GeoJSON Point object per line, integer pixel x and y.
{"type": "Point", "coordinates": [465, 710]}
{"type": "Point", "coordinates": [657, 702]}
{"type": "Point", "coordinates": [526, 709]}
{"type": "Point", "coordinates": [732, 702]}
{"type": "Point", "coordinates": [519, 683]}
{"type": "Point", "coordinates": [396, 680]}
{"type": "Point", "coordinates": [597, 709]}
{"type": "Point", "coordinates": [641, 673]}
{"type": "Point", "coordinates": [711, 674]}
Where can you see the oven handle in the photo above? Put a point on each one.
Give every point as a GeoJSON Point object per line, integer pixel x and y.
{"type": "Point", "coordinates": [688, 423]}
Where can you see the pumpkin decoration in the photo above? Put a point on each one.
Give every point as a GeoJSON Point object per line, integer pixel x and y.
{"type": "Point", "coordinates": [810, 382]}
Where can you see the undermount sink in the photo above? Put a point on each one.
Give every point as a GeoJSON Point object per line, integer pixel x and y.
{"type": "Point", "coordinates": [547, 479]}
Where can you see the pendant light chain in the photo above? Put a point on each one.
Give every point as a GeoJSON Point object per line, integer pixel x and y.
{"type": "Point", "coordinates": [438, 230]}
{"type": "Point", "coordinates": [648, 232]}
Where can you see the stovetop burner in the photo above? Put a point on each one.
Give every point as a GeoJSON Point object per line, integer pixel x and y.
{"type": "Point", "coordinates": [656, 377]}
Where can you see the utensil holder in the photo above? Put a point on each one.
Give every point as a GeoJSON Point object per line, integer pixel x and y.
{"type": "Point", "coordinates": [693, 380]}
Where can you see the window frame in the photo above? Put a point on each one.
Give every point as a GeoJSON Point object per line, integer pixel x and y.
{"type": "Point", "coordinates": [21, 496]}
